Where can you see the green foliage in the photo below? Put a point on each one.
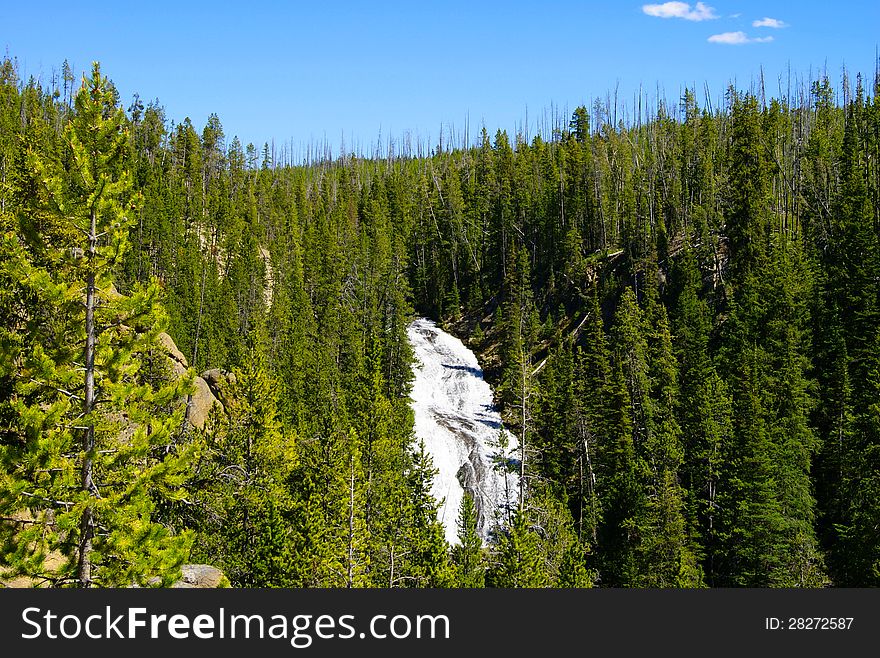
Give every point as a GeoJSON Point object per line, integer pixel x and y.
{"type": "Point", "coordinates": [467, 556]}
{"type": "Point", "coordinates": [84, 464]}
{"type": "Point", "coordinates": [247, 461]}
{"type": "Point", "coordinates": [680, 317]}
{"type": "Point", "coordinates": [517, 559]}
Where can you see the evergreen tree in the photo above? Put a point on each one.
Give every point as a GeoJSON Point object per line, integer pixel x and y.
{"type": "Point", "coordinates": [468, 554]}
{"type": "Point", "coordinates": [850, 317]}
{"type": "Point", "coordinates": [747, 222]}
{"type": "Point", "coordinates": [91, 446]}
{"type": "Point", "coordinates": [667, 553]}
{"type": "Point", "coordinates": [704, 414]}
{"type": "Point", "coordinates": [517, 561]}
{"type": "Point", "coordinates": [251, 458]}
{"type": "Point", "coordinates": [751, 523]}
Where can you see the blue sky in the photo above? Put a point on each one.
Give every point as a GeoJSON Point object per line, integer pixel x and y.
{"type": "Point", "coordinates": [305, 72]}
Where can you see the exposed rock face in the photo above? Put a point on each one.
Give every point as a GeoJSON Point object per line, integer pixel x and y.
{"type": "Point", "coordinates": [203, 397]}
{"type": "Point", "coordinates": [176, 357]}
{"type": "Point", "coordinates": [220, 382]}
{"type": "Point", "coordinates": [201, 403]}
{"type": "Point", "coordinates": [201, 576]}
{"type": "Point", "coordinates": [210, 246]}
{"type": "Point", "coordinates": [269, 288]}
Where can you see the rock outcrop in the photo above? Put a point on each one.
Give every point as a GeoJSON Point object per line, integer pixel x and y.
{"type": "Point", "coordinates": [201, 403]}
{"type": "Point", "coordinates": [177, 360]}
{"type": "Point", "coordinates": [269, 288]}
{"type": "Point", "coordinates": [201, 576]}
{"type": "Point", "coordinates": [220, 382]}
{"type": "Point", "coordinates": [203, 398]}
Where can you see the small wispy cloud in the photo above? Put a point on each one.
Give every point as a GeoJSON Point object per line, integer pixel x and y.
{"type": "Point", "coordinates": [737, 39]}
{"type": "Point", "coordinates": [700, 12]}
{"type": "Point", "coordinates": [769, 22]}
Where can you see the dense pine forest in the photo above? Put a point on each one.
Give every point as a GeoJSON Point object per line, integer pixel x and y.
{"type": "Point", "coordinates": [679, 313]}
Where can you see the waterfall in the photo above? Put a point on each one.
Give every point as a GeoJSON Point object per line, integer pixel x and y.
{"type": "Point", "coordinates": [456, 419]}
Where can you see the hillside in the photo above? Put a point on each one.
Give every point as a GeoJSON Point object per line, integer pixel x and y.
{"type": "Point", "coordinates": [679, 316]}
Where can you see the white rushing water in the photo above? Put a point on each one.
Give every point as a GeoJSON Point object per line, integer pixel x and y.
{"type": "Point", "coordinates": [456, 419]}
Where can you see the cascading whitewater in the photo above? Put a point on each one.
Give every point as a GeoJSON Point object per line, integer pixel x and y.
{"type": "Point", "coordinates": [456, 419]}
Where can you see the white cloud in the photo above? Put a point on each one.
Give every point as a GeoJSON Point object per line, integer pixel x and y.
{"type": "Point", "coordinates": [700, 12]}
{"type": "Point", "coordinates": [730, 38]}
{"type": "Point", "coordinates": [769, 22]}
{"type": "Point", "coordinates": [737, 39]}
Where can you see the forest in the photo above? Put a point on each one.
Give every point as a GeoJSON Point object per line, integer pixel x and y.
{"type": "Point", "coordinates": [679, 312]}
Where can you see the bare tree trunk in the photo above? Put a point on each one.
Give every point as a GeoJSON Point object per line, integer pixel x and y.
{"type": "Point", "coordinates": [87, 521]}
{"type": "Point", "coordinates": [350, 571]}
{"type": "Point", "coordinates": [391, 575]}
{"type": "Point", "coordinates": [591, 482]}
{"type": "Point", "coordinates": [580, 521]}
{"type": "Point", "coordinates": [522, 440]}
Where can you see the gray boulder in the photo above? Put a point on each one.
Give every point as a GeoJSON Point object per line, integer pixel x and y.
{"type": "Point", "coordinates": [201, 576]}
{"type": "Point", "coordinates": [203, 398]}
{"type": "Point", "coordinates": [220, 382]}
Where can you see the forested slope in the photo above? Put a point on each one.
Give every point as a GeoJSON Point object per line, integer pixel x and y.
{"type": "Point", "coordinates": [681, 317]}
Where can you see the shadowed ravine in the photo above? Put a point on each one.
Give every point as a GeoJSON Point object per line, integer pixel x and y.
{"type": "Point", "coordinates": [455, 417]}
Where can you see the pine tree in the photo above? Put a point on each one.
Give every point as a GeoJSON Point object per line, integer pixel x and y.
{"type": "Point", "coordinates": [468, 554]}
{"type": "Point", "coordinates": [747, 221]}
{"type": "Point", "coordinates": [596, 424]}
{"type": "Point", "coordinates": [705, 416]}
{"type": "Point", "coordinates": [520, 329]}
{"type": "Point", "coordinates": [428, 564]}
{"type": "Point", "coordinates": [517, 559]}
{"type": "Point", "coordinates": [668, 558]}
{"type": "Point", "coordinates": [251, 459]}
{"type": "Point", "coordinates": [751, 523]}
{"type": "Point", "coordinates": [621, 494]}
{"type": "Point", "coordinates": [788, 394]}
{"type": "Point", "coordinates": [850, 361]}
{"type": "Point", "coordinates": [91, 446]}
